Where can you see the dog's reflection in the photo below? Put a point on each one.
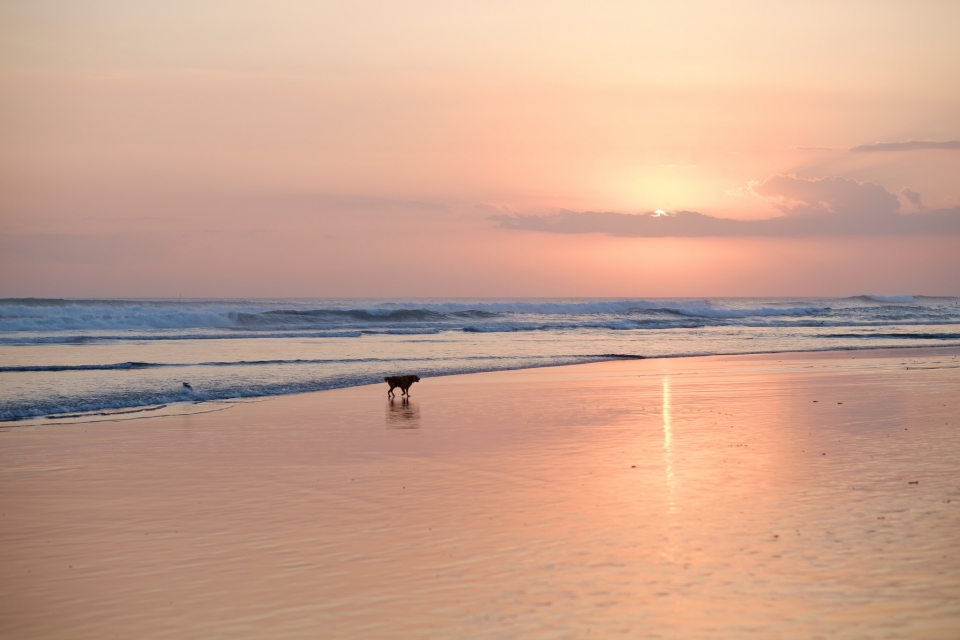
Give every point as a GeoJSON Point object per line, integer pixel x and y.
{"type": "Point", "coordinates": [403, 414]}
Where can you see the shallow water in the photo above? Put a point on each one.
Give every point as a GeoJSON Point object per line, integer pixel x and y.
{"type": "Point", "coordinates": [678, 498]}
{"type": "Point", "coordinates": [68, 356]}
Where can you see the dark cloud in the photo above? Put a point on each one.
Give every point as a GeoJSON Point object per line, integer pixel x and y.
{"type": "Point", "coordinates": [825, 207]}
{"type": "Point", "coordinates": [911, 196]}
{"type": "Point", "coordinates": [909, 145]}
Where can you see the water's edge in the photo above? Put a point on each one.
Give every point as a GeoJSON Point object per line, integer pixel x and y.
{"type": "Point", "coordinates": [201, 406]}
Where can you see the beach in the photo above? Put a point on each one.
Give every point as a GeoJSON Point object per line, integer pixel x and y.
{"type": "Point", "coordinates": [676, 286]}
{"type": "Point", "coordinates": [770, 496]}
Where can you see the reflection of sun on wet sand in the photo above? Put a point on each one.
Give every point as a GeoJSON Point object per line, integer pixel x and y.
{"type": "Point", "coordinates": [668, 441]}
{"type": "Point", "coordinates": [791, 495]}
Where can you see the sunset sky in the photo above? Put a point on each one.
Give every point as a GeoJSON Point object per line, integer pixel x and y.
{"type": "Point", "coordinates": [479, 149]}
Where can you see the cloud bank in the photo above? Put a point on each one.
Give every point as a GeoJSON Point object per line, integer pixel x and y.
{"type": "Point", "coordinates": [909, 145]}
{"type": "Point", "coordinates": [822, 207]}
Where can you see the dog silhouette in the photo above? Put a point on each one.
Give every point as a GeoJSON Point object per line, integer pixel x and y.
{"type": "Point", "coordinates": [403, 382]}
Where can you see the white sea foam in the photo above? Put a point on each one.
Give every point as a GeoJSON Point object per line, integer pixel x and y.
{"type": "Point", "coordinates": [130, 316]}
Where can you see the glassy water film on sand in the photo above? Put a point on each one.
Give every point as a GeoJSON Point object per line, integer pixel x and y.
{"type": "Point", "coordinates": [63, 358]}
{"type": "Point", "coordinates": [789, 496]}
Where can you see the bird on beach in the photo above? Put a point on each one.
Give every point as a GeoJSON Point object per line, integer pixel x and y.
{"type": "Point", "coordinates": [187, 385]}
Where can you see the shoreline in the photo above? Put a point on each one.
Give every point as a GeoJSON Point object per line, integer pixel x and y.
{"type": "Point", "coordinates": [53, 419]}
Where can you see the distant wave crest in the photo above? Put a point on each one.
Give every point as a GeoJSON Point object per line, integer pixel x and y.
{"type": "Point", "coordinates": [879, 298]}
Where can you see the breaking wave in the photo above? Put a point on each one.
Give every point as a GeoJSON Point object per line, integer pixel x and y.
{"type": "Point", "coordinates": [48, 316]}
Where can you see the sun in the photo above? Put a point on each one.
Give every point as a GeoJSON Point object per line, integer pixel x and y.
{"type": "Point", "coordinates": [659, 213]}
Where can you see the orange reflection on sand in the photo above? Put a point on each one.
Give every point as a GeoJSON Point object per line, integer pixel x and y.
{"type": "Point", "coordinates": [668, 446]}
{"type": "Point", "coordinates": [686, 498]}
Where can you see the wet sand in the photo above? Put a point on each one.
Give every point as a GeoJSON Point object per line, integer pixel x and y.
{"type": "Point", "coordinates": [781, 496]}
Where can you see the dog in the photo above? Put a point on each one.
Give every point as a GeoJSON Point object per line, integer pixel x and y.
{"type": "Point", "coordinates": [403, 382]}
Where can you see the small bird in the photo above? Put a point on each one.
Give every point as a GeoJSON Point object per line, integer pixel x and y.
{"type": "Point", "coordinates": [187, 385]}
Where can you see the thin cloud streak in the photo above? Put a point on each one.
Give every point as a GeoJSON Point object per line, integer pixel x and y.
{"type": "Point", "coordinates": [692, 224]}
{"type": "Point", "coordinates": [909, 145]}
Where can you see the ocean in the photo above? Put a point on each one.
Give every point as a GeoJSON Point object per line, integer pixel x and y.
{"type": "Point", "coordinates": [102, 359]}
